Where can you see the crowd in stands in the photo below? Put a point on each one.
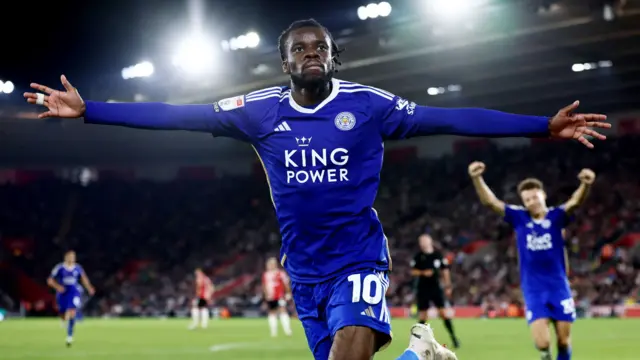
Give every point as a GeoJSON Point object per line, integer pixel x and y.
{"type": "Point", "coordinates": [139, 241]}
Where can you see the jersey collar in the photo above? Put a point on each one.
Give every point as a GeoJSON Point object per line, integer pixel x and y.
{"type": "Point", "coordinates": [335, 88]}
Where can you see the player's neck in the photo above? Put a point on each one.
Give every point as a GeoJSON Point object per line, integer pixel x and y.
{"type": "Point", "coordinates": [539, 216]}
{"type": "Point", "coordinates": [308, 96]}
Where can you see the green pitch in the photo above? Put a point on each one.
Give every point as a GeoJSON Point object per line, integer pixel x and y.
{"type": "Point", "coordinates": [97, 339]}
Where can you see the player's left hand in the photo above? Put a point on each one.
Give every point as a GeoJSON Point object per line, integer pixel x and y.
{"type": "Point", "coordinates": [567, 125]}
{"type": "Point", "coordinates": [91, 291]}
{"type": "Point", "coordinates": [587, 176]}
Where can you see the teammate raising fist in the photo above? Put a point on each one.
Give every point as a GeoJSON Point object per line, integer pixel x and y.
{"type": "Point", "coordinates": [541, 251]}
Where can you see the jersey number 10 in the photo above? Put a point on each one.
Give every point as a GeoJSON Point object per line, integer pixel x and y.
{"type": "Point", "coordinates": [362, 288]}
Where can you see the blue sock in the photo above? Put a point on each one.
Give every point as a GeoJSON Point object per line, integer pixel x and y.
{"type": "Point", "coordinates": [564, 353]}
{"type": "Point", "coordinates": [408, 355]}
{"type": "Point", "coordinates": [70, 325]}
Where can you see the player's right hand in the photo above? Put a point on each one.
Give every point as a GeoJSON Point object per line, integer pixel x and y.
{"type": "Point", "coordinates": [60, 289]}
{"type": "Point", "coordinates": [476, 169]}
{"type": "Point", "coordinates": [61, 104]}
{"type": "Point", "coordinates": [587, 176]}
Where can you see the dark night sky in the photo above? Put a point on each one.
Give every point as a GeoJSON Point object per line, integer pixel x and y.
{"type": "Point", "coordinates": [97, 37]}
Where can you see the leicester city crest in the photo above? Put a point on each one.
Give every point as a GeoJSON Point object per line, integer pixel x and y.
{"type": "Point", "coordinates": [345, 121]}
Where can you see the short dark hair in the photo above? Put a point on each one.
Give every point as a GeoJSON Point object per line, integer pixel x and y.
{"type": "Point", "coordinates": [335, 50]}
{"type": "Point", "coordinates": [530, 184]}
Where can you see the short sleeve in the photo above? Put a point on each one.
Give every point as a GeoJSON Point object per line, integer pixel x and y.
{"type": "Point", "coordinates": [414, 262]}
{"type": "Point", "coordinates": [444, 261]}
{"type": "Point", "coordinates": [55, 271]}
{"type": "Point", "coordinates": [513, 214]}
{"type": "Point", "coordinates": [559, 215]}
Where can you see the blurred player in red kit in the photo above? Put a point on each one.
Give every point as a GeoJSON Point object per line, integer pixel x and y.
{"type": "Point", "coordinates": [204, 297]}
{"type": "Point", "coordinates": [275, 284]}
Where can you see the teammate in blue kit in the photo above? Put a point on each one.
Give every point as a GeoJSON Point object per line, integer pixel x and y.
{"type": "Point", "coordinates": [65, 279]}
{"type": "Point", "coordinates": [320, 141]}
{"type": "Point", "coordinates": [540, 242]}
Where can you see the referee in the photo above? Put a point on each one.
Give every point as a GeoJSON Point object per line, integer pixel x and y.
{"type": "Point", "coordinates": [426, 267]}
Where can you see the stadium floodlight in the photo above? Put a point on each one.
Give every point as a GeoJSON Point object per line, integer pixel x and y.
{"type": "Point", "coordinates": [384, 9]}
{"type": "Point", "coordinates": [432, 91]}
{"type": "Point", "coordinates": [249, 40]}
{"type": "Point", "coordinates": [374, 10]}
{"type": "Point", "coordinates": [605, 63]}
{"type": "Point", "coordinates": [253, 39]}
{"type": "Point", "coordinates": [140, 70]}
{"type": "Point", "coordinates": [195, 55]}
{"type": "Point", "coordinates": [6, 87]}
{"type": "Point", "coordinates": [577, 67]}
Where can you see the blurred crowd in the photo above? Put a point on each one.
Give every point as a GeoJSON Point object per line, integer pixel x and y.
{"type": "Point", "coordinates": [140, 241]}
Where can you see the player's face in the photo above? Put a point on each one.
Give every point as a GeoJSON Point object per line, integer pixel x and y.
{"type": "Point", "coordinates": [426, 243]}
{"type": "Point", "coordinates": [309, 57]}
{"type": "Point", "coordinates": [70, 257]}
{"type": "Point", "coordinates": [271, 264]}
{"type": "Point", "coordinates": [534, 200]}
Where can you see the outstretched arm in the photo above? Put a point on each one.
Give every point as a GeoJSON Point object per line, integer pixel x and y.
{"type": "Point", "coordinates": [587, 177]}
{"type": "Point", "coordinates": [402, 119]}
{"type": "Point", "coordinates": [471, 122]}
{"type": "Point", "coordinates": [487, 197]}
{"type": "Point", "coordinates": [227, 117]}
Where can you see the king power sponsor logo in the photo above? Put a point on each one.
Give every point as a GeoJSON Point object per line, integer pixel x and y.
{"type": "Point", "coordinates": [306, 165]}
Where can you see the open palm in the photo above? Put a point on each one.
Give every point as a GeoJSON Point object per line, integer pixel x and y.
{"type": "Point", "coordinates": [61, 104]}
{"type": "Point", "coordinates": [567, 125]}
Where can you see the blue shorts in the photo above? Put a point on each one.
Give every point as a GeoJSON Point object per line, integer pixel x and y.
{"type": "Point", "coordinates": [552, 305]}
{"type": "Point", "coordinates": [355, 299]}
{"type": "Point", "coordinates": [68, 301]}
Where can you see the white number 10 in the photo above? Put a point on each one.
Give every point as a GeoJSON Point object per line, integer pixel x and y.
{"type": "Point", "coordinates": [362, 288]}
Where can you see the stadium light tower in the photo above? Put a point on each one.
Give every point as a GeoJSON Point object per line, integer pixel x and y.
{"type": "Point", "coordinates": [6, 87]}
{"type": "Point", "coordinates": [140, 70]}
{"type": "Point", "coordinates": [373, 10]}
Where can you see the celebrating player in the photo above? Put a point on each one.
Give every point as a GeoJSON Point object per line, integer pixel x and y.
{"type": "Point", "coordinates": [540, 242]}
{"type": "Point", "coordinates": [203, 299]}
{"type": "Point", "coordinates": [277, 291]}
{"type": "Point", "coordinates": [321, 144]}
{"type": "Point", "coordinates": [427, 266]}
{"type": "Point", "coordinates": [65, 278]}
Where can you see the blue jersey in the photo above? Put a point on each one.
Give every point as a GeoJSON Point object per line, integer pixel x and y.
{"type": "Point", "coordinates": [68, 277]}
{"type": "Point", "coordinates": [540, 248]}
{"type": "Point", "coordinates": [322, 162]}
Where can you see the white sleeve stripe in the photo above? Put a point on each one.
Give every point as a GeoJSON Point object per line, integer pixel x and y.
{"type": "Point", "coordinates": [262, 91]}
{"type": "Point", "coordinates": [367, 90]}
{"type": "Point", "coordinates": [515, 207]}
{"type": "Point", "coordinates": [353, 85]}
{"type": "Point", "coordinates": [264, 97]}
{"type": "Point", "coordinates": [285, 96]}
{"type": "Point", "coordinates": [262, 94]}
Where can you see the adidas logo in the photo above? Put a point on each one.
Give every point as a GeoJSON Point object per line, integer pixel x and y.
{"type": "Point", "coordinates": [282, 127]}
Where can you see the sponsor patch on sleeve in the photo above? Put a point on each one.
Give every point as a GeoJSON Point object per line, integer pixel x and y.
{"type": "Point", "coordinates": [231, 103]}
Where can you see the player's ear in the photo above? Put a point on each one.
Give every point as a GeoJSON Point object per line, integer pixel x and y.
{"type": "Point", "coordinates": [285, 67]}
